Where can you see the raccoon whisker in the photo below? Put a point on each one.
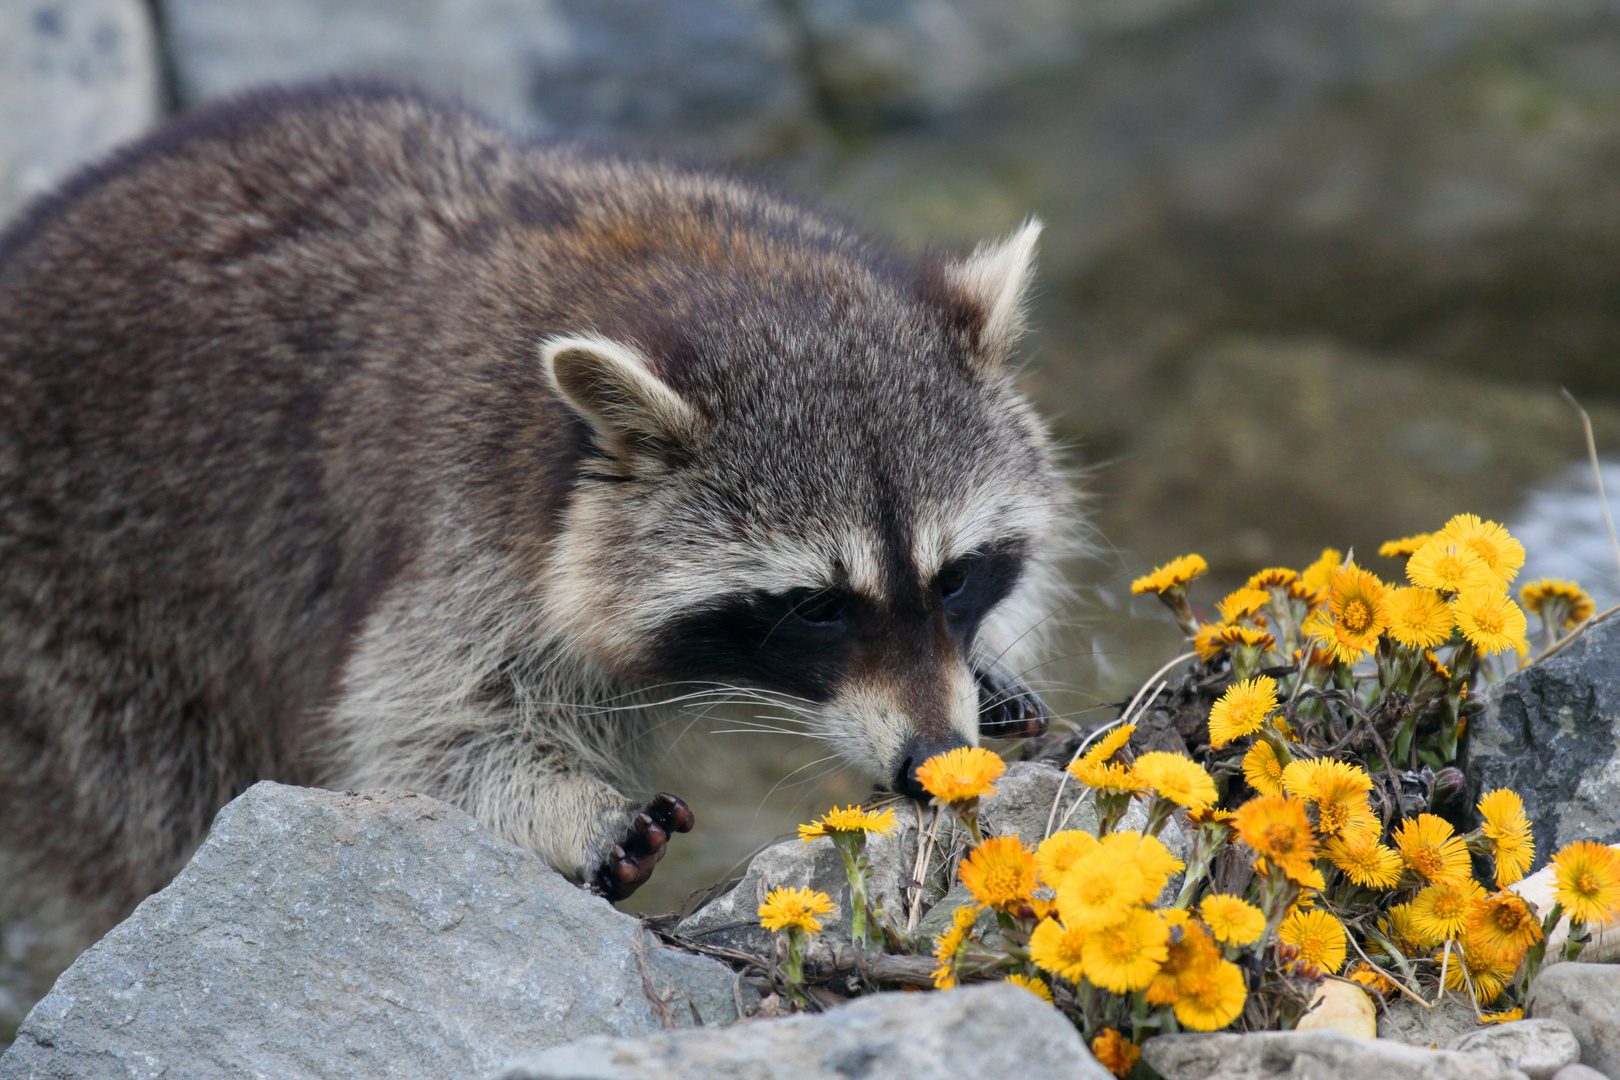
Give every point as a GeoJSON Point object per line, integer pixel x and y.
{"type": "Point", "coordinates": [807, 765]}
{"type": "Point", "coordinates": [767, 731]}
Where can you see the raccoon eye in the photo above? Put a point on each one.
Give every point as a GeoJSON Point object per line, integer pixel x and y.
{"type": "Point", "coordinates": [818, 606]}
{"type": "Point", "coordinates": [953, 579]}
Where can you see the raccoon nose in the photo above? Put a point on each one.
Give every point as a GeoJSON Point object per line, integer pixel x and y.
{"type": "Point", "coordinates": [917, 751]}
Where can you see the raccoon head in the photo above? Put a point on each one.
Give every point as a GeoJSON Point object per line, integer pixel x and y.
{"type": "Point", "coordinates": [813, 475]}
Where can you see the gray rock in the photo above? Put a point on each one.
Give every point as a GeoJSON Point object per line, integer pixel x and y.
{"type": "Point", "coordinates": [1407, 1022]}
{"type": "Point", "coordinates": [324, 935]}
{"type": "Point", "coordinates": [1578, 1072]}
{"type": "Point", "coordinates": [1023, 803]}
{"type": "Point", "coordinates": [76, 79]}
{"type": "Point", "coordinates": [1551, 732]}
{"type": "Point", "coordinates": [1537, 1048]}
{"type": "Point", "coordinates": [964, 1034]}
{"type": "Point", "coordinates": [1316, 1055]}
{"type": "Point", "coordinates": [719, 72]}
{"type": "Point", "coordinates": [1586, 998]}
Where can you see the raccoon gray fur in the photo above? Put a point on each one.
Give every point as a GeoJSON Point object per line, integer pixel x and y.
{"type": "Point", "coordinates": [346, 440]}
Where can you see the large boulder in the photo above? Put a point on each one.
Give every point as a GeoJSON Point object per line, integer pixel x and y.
{"type": "Point", "coordinates": [374, 934]}
{"type": "Point", "coordinates": [964, 1034]}
{"type": "Point", "coordinates": [76, 79]}
{"type": "Point", "coordinates": [1551, 732]}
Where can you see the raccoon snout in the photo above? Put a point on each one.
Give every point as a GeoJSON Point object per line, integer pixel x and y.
{"type": "Point", "coordinates": [917, 751]}
{"type": "Point", "coordinates": [1008, 709]}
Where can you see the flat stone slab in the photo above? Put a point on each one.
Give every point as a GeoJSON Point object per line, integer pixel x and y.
{"type": "Point", "coordinates": [1586, 999]}
{"type": "Point", "coordinates": [364, 935]}
{"type": "Point", "coordinates": [965, 1034]}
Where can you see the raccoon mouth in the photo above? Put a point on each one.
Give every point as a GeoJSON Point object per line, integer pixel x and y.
{"type": "Point", "coordinates": [1008, 709]}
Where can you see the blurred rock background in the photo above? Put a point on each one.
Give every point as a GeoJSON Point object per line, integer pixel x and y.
{"type": "Point", "coordinates": [1314, 269]}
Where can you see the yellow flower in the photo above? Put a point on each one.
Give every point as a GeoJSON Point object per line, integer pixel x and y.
{"type": "Point", "coordinates": [962, 774]}
{"type": "Point", "coordinates": [1372, 978]}
{"type": "Point", "coordinates": [1231, 920]}
{"type": "Point", "coordinates": [1319, 575]}
{"type": "Point", "coordinates": [1496, 548]}
{"type": "Point", "coordinates": [1214, 1000]}
{"type": "Point", "coordinates": [1035, 986]}
{"type": "Point", "coordinates": [1508, 829]}
{"type": "Point", "coordinates": [1060, 851]}
{"type": "Point", "coordinates": [1489, 619]}
{"type": "Point", "coordinates": [1155, 860]}
{"type": "Point", "coordinates": [1427, 846]}
{"type": "Point", "coordinates": [1115, 1053]}
{"type": "Point", "coordinates": [1178, 778]}
{"type": "Point", "coordinates": [1339, 791]}
{"type": "Point", "coordinates": [1189, 953]}
{"type": "Point", "coordinates": [1092, 768]}
{"type": "Point", "coordinates": [1276, 577]}
{"type": "Point", "coordinates": [853, 819]}
{"type": "Point", "coordinates": [1489, 977]}
{"type": "Point", "coordinates": [1448, 566]}
{"type": "Point", "coordinates": [1404, 547]}
{"type": "Point", "coordinates": [1276, 827]}
{"type": "Point", "coordinates": [1436, 666]}
{"type": "Point", "coordinates": [1209, 815]}
{"type": "Point", "coordinates": [1125, 955]}
{"type": "Point", "coordinates": [1366, 862]}
{"type": "Point", "coordinates": [1110, 777]}
{"type": "Point", "coordinates": [1359, 603]}
{"type": "Point", "coordinates": [786, 908]}
{"type": "Point", "coordinates": [1241, 709]}
{"type": "Point", "coordinates": [1501, 926]}
{"type": "Point", "coordinates": [1559, 602]}
{"type": "Point", "coordinates": [1262, 769]}
{"type": "Point", "coordinates": [1318, 936]}
{"type": "Point", "coordinates": [1172, 575]}
{"type": "Point", "coordinates": [1213, 639]}
{"type": "Point", "coordinates": [1000, 873]}
{"type": "Point", "coordinates": [1506, 1016]}
{"type": "Point", "coordinates": [1440, 911]}
{"type": "Point", "coordinates": [1057, 949]}
{"type": "Point", "coordinates": [1400, 927]}
{"type": "Point", "coordinates": [1419, 618]}
{"type": "Point", "coordinates": [1588, 876]}
{"type": "Point", "coordinates": [1242, 603]}
{"type": "Point", "coordinates": [949, 943]}
{"type": "Point", "coordinates": [1098, 889]}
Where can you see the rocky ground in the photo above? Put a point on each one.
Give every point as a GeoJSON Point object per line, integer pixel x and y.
{"type": "Point", "coordinates": [318, 934]}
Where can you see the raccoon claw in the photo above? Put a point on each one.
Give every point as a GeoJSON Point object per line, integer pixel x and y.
{"type": "Point", "coordinates": [630, 862]}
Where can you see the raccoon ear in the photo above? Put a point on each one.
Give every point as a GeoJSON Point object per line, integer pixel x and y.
{"type": "Point", "coordinates": [995, 281]}
{"type": "Point", "coordinates": [615, 389]}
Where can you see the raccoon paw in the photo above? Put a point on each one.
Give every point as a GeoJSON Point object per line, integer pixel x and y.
{"type": "Point", "coordinates": [630, 862]}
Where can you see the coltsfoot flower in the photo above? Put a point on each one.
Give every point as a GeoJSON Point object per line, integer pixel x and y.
{"type": "Point", "coordinates": [1213, 1000]}
{"type": "Point", "coordinates": [1359, 604]}
{"type": "Point", "coordinates": [1172, 575]}
{"type": "Point", "coordinates": [1318, 936]}
{"type": "Point", "coordinates": [1563, 603]}
{"type": "Point", "coordinates": [1428, 846]}
{"type": "Point", "coordinates": [1276, 827]}
{"type": "Point", "coordinates": [1441, 910]}
{"type": "Point", "coordinates": [1588, 881]}
{"type": "Point", "coordinates": [1115, 1052]}
{"type": "Point", "coordinates": [1242, 709]}
{"type": "Point", "coordinates": [1262, 769]}
{"type": "Point", "coordinates": [1099, 889]}
{"type": "Point", "coordinates": [1366, 862]}
{"type": "Point", "coordinates": [1000, 873]}
{"type": "Point", "coordinates": [1060, 851]}
{"type": "Point", "coordinates": [1058, 949]}
{"type": "Point", "coordinates": [1405, 547]}
{"type": "Point", "coordinates": [1495, 546]}
{"type": "Point", "coordinates": [1126, 954]}
{"type": "Point", "coordinates": [949, 943]}
{"type": "Point", "coordinates": [1178, 778]}
{"type": "Point", "coordinates": [1035, 986]}
{"type": "Point", "coordinates": [961, 775]}
{"type": "Point", "coordinates": [1232, 920]}
{"type": "Point", "coordinates": [1338, 790]}
{"type": "Point", "coordinates": [1419, 618]}
{"type": "Point", "coordinates": [1502, 926]}
{"type": "Point", "coordinates": [1242, 603]}
{"type": "Point", "coordinates": [786, 908]}
{"type": "Point", "coordinates": [849, 820]}
{"type": "Point", "coordinates": [1446, 565]}
{"type": "Point", "coordinates": [1513, 847]}
{"type": "Point", "coordinates": [1489, 620]}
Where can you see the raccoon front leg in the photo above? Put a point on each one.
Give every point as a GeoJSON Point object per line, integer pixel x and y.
{"type": "Point", "coordinates": [540, 797]}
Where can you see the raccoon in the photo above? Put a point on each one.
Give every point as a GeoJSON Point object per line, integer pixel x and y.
{"type": "Point", "coordinates": [349, 441]}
